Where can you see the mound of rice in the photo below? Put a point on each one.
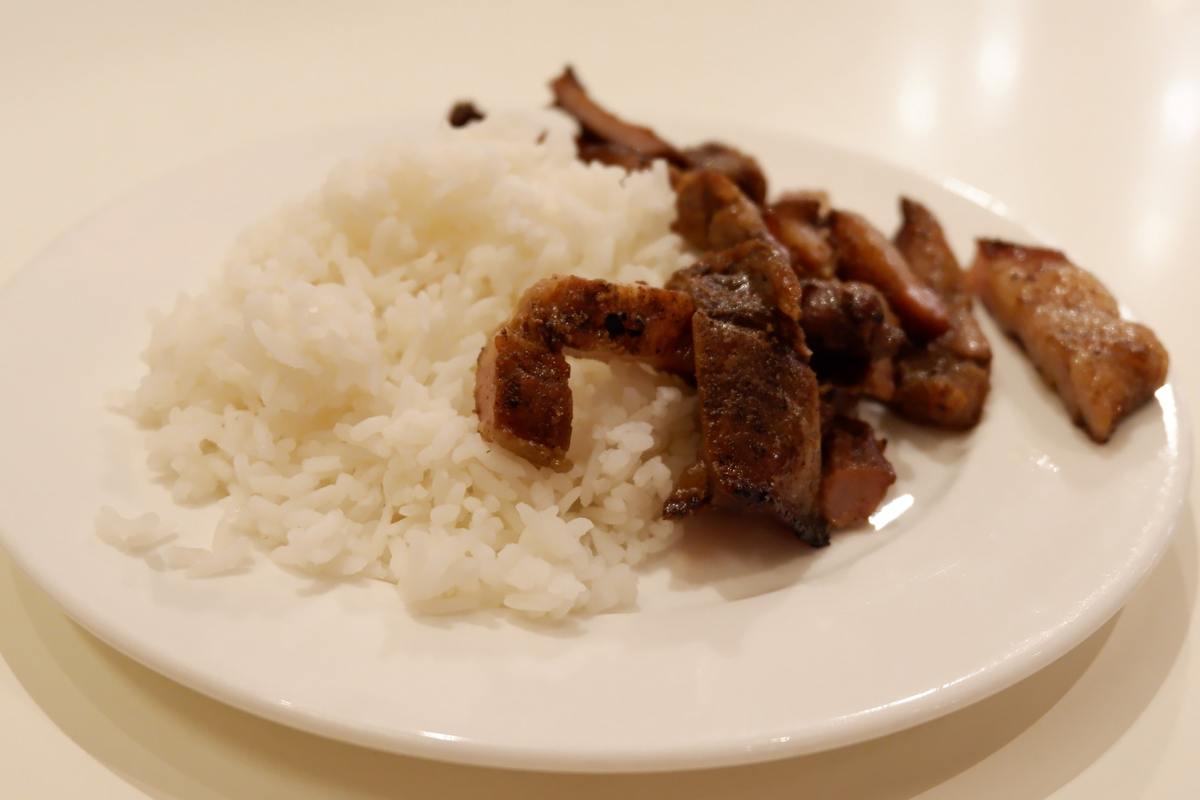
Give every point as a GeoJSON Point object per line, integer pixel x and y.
{"type": "Point", "coordinates": [321, 388]}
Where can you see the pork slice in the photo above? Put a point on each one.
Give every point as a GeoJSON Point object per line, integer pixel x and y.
{"type": "Point", "coordinates": [742, 169]}
{"type": "Point", "coordinates": [849, 328]}
{"type": "Point", "coordinates": [759, 425]}
{"type": "Point", "coordinates": [691, 493]}
{"type": "Point", "coordinates": [922, 243]}
{"type": "Point", "coordinates": [943, 382]}
{"type": "Point", "coordinates": [1103, 366]}
{"type": "Point", "coordinates": [855, 474]}
{"type": "Point", "coordinates": [601, 125]}
{"type": "Point", "coordinates": [523, 398]}
{"type": "Point", "coordinates": [750, 284]}
{"type": "Point", "coordinates": [599, 319]}
{"type": "Point", "coordinates": [712, 213]}
{"type": "Point", "coordinates": [798, 221]}
{"type": "Point", "coordinates": [934, 386]}
{"type": "Point", "coordinates": [864, 254]}
{"type": "Point", "coordinates": [522, 395]}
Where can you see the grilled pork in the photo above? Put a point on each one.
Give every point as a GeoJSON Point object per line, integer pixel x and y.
{"type": "Point", "coordinates": [944, 381]}
{"type": "Point", "coordinates": [521, 392]}
{"type": "Point", "coordinates": [1103, 367]}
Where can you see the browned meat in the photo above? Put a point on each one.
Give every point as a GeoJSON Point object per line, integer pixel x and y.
{"type": "Point", "coordinates": [464, 113]}
{"type": "Point", "coordinates": [805, 205]}
{"type": "Point", "coordinates": [737, 297]}
{"type": "Point", "coordinates": [849, 327]}
{"type": "Point", "coordinates": [760, 437]}
{"type": "Point", "coordinates": [943, 382]}
{"type": "Point", "coordinates": [759, 408]}
{"type": "Point", "coordinates": [769, 283]}
{"type": "Point", "coordinates": [712, 213]}
{"type": "Point", "coordinates": [521, 391]}
{"type": "Point", "coordinates": [923, 244]}
{"type": "Point", "coordinates": [522, 398]}
{"type": "Point", "coordinates": [965, 339]}
{"type": "Point", "coordinates": [597, 318]}
{"type": "Point", "coordinates": [691, 493]}
{"type": "Point", "coordinates": [1103, 367]}
{"type": "Point", "coordinates": [600, 125]}
{"type": "Point", "coordinates": [797, 221]}
{"type": "Point", "coordinates": [739, 167]}
{"type": "Point", "coordinates": [855, 475]}
{"type": "Point", "coordinates": [864, 254]}
{"type": "Point", "coordinates": [808, 245]}
{"type": "Point", "coordinates": [936, 387]}
{"type": "Point", "coordinates": [880, 381]}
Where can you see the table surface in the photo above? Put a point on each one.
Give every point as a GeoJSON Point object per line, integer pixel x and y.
{"type": "Point", "coordinates": [1083, 117]}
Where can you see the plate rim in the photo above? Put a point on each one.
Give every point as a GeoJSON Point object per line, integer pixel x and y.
{"type": "Point", "coordinates": [761, 746]}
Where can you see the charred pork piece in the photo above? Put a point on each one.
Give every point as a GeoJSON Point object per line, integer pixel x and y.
{"type": "Point", "coordinates": [806, 205]}
{"type": "Point", "coordinates": [855, 475]}
{"type": "Point", "coordinates": [464, 113]}
{"type": "Point", "coordinates": [1103, 367]}
{"type": "Point", "coordinates": [712, 213]}
{"type": "Point", "coordinates": [691, 493]}
{"type": "Point", "coordinates": [522, 395]}
{"type": "Point", "coordinates": [523, 399]}
{"type": "Point", "coordinates": [760, 436]}
{"type": "Point", "coordinates": [864, 254]}
{"type": "Point", "coordinates": [808, 245]}
{"type": "Point", "coordinates": [599, 125]}
{"type": "Point", "coordinates": [759, 408]}
{"type": "Point", "coordinates": [797, 221]}
{"type": "Point", "coordinates": [739, 167]}
{"type": "Point", "coordinates": [837, 403]}
{"type": "Point", "coordinates": [848, 326]}
{"type": "Point", "coordinates": [597, 318]}
{"type": "Point", "coordinates": [943, 382]}
{"type": "Point", "coordinates": [933, 386]}
{"type": "Point", "coordinates": [880, 381]}
{"type": "Point", "coordinates": [764, 284]}
{"type": "Point", "coordinates": [923, 244]}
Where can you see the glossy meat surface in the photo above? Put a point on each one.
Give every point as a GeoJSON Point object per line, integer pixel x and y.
{"type": "Point", "coordinates": [864, 254]}
{"type": "Point", "coordinates": [943, 382]}
{"type": "Point", "coordinates": [523, 399]}
{"type": "Point", "coordinates": [601, 125]}
{"type": "Point", "coordinates": [760, 435]}
{"type": "Point", "coordinates": [855, 474]}
{"type": "Point", "coordinates": [923, 245]}
{"type": "Point", "coordinates": [848, 326]}
{"type": "Point", "coordinates": [739, 167]}
{"type": "Point", "coordinates": [1102, 366]}
{"type": "Point", "coordinates": [691, 493]}
{"type": "Point", "coordinates": [933, 386]}
{"type": "Point", "coordinates": [599, 318]}
{"type": "Point", "coordinates": [797, 220]}
{"type": "Point", "coordinates": [750, 285]}
{"type": "Point", "coordinates": [522, 396]}
{"type": "Point", "coordinates": [712, 213]}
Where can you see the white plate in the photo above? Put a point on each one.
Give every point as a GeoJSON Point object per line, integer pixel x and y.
{"type": "Point", "coordinates": [1016, 541]}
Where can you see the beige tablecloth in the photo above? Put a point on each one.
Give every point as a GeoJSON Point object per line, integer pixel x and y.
{"type": "Point", "coordinates": [1083, 117]}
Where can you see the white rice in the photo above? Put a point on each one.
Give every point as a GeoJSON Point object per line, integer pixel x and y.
{"type": "Point", "coordinates": [322, 386]}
